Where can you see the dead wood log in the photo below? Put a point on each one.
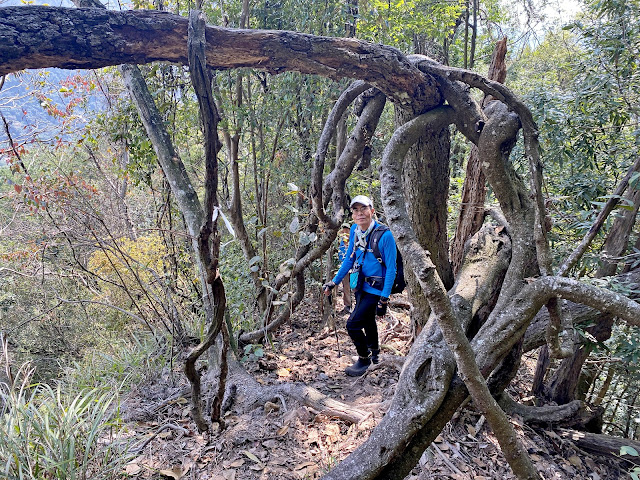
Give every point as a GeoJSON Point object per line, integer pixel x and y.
{"type": "Point", "coordinates": [244, 390]}
{"type": "Point", "coordinates": [318, 402]}
{"type": "Point", "coordinates": [600, 444]}
{"type": "Point", "coordinates": [42, 36]}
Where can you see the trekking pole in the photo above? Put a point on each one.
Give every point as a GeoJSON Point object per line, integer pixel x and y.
{"type": "Point", "coordinates": [335, 328]}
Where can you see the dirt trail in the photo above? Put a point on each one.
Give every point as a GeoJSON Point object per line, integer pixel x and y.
{"type": "Point", "coordinates": [285, 440]}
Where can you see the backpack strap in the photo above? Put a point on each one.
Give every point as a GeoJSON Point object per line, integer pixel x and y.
{"type": "Point", "coordinates": [376, 235]}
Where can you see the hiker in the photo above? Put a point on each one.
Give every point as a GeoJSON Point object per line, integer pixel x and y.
{"type": "Point", "coordinates": [374, 282]}
{"type": "Point", "coordinates": [343, 236]}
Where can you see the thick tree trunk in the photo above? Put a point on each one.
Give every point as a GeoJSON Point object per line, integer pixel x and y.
{"type": "Point", "coordinates": [474, 189]}
{"type": "Point", "coordinates": [426, 180]}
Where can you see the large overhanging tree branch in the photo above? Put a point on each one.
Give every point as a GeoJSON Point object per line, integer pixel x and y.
{"type": "Point", "coordinates": [39, 37]}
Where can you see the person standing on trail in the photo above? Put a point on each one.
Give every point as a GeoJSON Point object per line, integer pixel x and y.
{"type": "Point", "coordinates": [373, 286]}
{"type": "Point", "coordinates": [343, 236]}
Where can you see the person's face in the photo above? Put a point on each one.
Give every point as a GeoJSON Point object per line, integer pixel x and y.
{"type": "Point", "coordinates": [362, 215]}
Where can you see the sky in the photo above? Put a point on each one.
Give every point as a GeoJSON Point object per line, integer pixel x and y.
{"type": "Point", "coordinates": [562, 9]}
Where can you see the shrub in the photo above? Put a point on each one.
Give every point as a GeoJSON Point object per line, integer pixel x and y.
{"type": "Point", "coordinates": [45, 434]}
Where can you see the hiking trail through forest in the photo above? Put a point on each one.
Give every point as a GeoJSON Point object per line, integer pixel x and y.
{"type": "Point", "coordinates": [286, 440]}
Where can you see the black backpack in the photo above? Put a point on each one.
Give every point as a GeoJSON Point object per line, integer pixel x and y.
{"type": "Point", "coordinates": [399, 283]}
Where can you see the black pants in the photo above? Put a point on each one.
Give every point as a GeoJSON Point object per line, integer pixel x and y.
{"type": "Point", "coordinates": [361, 325]}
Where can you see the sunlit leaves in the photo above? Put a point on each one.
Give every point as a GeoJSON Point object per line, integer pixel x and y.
{"type": "Point", "coordinates": [395, 22]}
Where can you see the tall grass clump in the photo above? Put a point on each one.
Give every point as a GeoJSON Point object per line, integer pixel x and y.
{"type": "Point", "coordinates": [120, 365]}
{"type": "Point", "coordinates": [45, 434]}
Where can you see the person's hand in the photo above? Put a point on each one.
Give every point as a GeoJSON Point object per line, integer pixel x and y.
{"type": "Point", "coordinates": [327, 287]}
{"type": "Point", "coordinates": [381, 309]}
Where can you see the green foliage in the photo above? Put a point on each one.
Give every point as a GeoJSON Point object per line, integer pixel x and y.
{"type": "Point", "coordinates": [581, 84]}
{"type": "Point", "coordinates": [46, 435]}
{"type": "Point", "coordinates": [252, 353]}
{"type": "Point", "coordinates": [119, 364]}
{"type": "Point", "coordinates": [309, 16]}
{"type": "Point", "coordinates": [634, 473]}
{"type": "Point", "coordinates": [238, 285]}
{"type": "Point", "coordinates": [396, 22]}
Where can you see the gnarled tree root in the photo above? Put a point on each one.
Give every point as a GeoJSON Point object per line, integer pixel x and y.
{"type": "Point", "coordinates": [548, 414]}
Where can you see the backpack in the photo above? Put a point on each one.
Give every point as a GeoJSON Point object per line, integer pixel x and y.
{"type": "Point", "coordinates": [399, 283]}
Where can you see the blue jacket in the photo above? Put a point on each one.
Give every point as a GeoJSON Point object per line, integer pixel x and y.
{"type": "Point", "coordinates": [342, 250]}
{"type": "Point", "coordinates": [370, 265]}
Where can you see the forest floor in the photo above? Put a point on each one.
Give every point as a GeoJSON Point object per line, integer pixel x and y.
{"type": "Point", "coordinates": [285, 440]}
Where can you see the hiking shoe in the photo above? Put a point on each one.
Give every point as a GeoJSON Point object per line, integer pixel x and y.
{"type": "Point", "coordinates": [358, 368]}
{"type": "Point", "coordinates": [374, 356]}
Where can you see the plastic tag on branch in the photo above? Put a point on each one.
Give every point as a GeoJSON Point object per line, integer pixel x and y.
{"type": "Point", "coordinates": [287, 265]}
{"type": "Point", "coordinates": [293, 189]}
{"type": "Point", "coordinates": [216, 211]}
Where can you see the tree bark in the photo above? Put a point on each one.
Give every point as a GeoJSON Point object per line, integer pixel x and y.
{"type": "Point", "coordinates": [209, 237]}
{"type": "Point", "coordinates": [599, 444]}
{"type": "Point", "coordinates": [449, 318]}
{"type": "Point", "coordinates": [474, 189]}
{"type": "Point", "coordinates": [42, 36]}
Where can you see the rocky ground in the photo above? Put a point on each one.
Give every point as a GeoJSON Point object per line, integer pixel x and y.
{"type": "Point", "coordinates": [285, 440]}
